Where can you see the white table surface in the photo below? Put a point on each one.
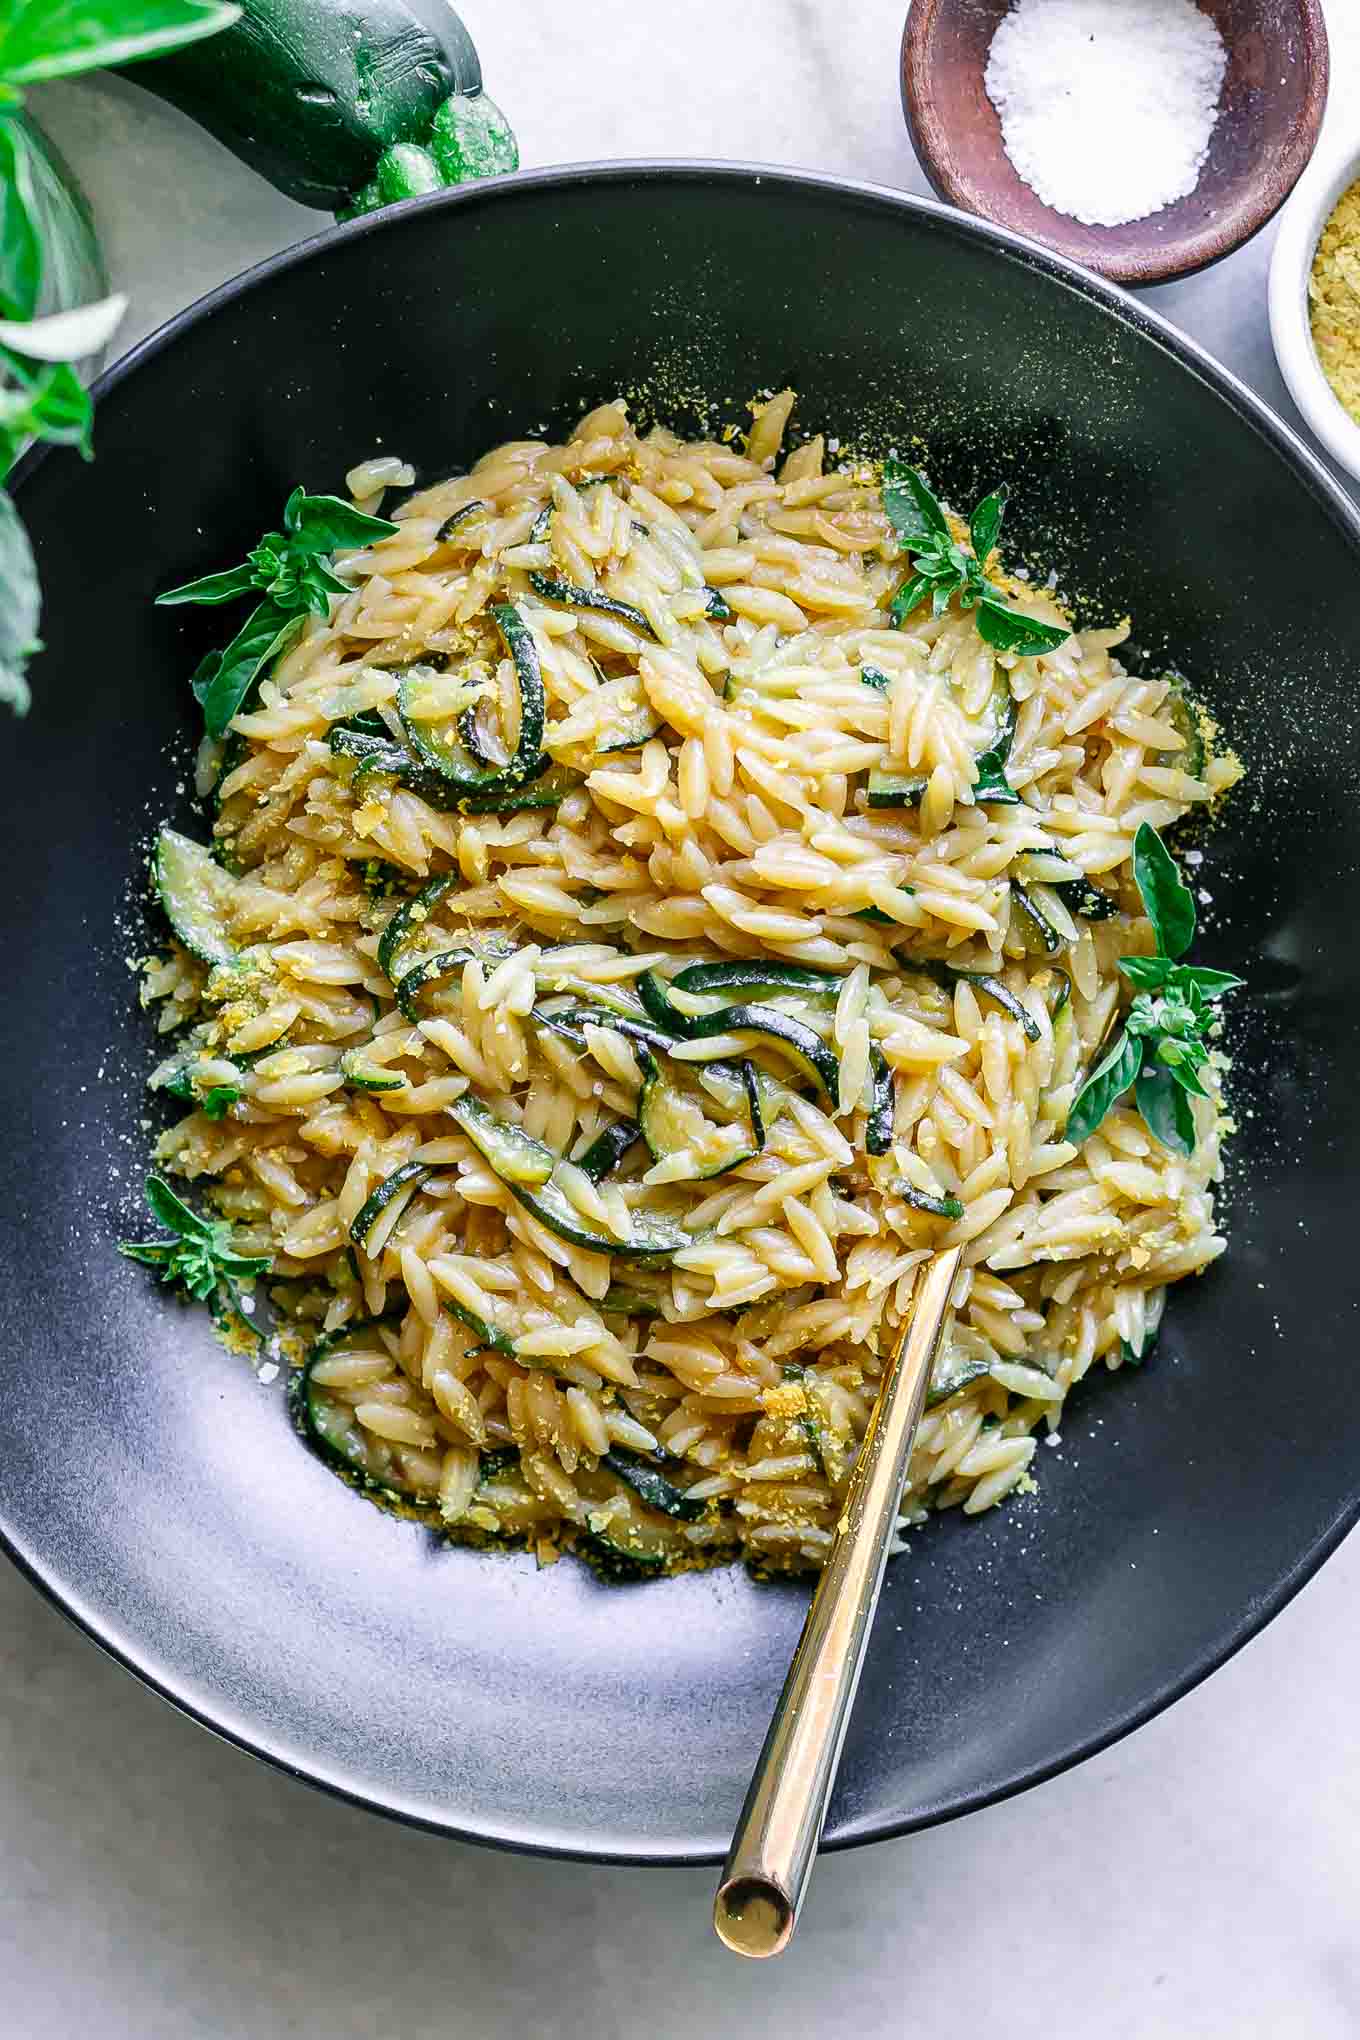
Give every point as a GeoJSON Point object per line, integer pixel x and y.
{"type": "Point", "coordinates": [1200, 1879]}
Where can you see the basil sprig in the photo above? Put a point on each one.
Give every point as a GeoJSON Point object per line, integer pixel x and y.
{"type": "Point", "coordinates": [199, 1255]}
{"type": "Point", "coordinates": [945, 571]}
{"type": "Point", "coordinates": [1162, 1047]}
{"type": "Point", "coordinates": [291, 569]}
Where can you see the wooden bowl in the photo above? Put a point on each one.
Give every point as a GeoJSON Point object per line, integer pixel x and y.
{"type": "Point", "coordinates": [1271, 109]}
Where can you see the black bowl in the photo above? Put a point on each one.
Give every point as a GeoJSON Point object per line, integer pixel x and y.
{"type": "Point", "coordinates": [153, 1487]}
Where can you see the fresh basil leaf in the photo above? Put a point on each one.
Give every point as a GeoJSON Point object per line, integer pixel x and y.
{"type": "Point", "coordinates": [44, 401]}
{"type": "Point", "coordinates": [172, 1212]}
{"type": "Point", "coordinates": [1108, 1081]}
{"type": "Point", "coordinates": [1149, 973]}
{"type": "Point", "coordinates": [992, 784]}
{"type": "Point", "coordinates": [1184, 1069]}
{"type": "Point", "coordinates": [21, 260]}
{"type": "Point", "coordinates": [912, 591]}
{"type": "Point", "coordinates": [264, 634]}
{"type": "Point", "coordinates": [911, 507]}
{"type": "Point", "coordinates": [65, 336]}
{"type": "Point", "coordinates": [224, 587]}
{"type": "Point", "coordinates": [1166, 1110]}
{"type": "Point", "coordinates": [1006, 630]}
{"type": "Point", "coordinates": [1213, 984]}
{"type": "Point", "coordinates": [1170, 906]}
{"type": "Point", "coordinates": [215, 1103]}
{"type": "Point", "coordinates": [20, 603]}
{"type": "Point", "coordinates": [55, 38]}
{"type": "Point", "coordinates": [329, 524]}
{"type": "Point", "coordinates": [984, 527]}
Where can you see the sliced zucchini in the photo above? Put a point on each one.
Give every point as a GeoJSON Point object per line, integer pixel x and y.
{"type": "Point", "coordinates": [886, 789]}
{"type": "Point", "coordinates": [571, 1022]}
{"type": "Point", "coordinates": [717, 606]}
{"type": "Point", "coordinates": [946, 1206]}
{"type": "Point", "coordinates": [1089, 902]}
{"type": "Point", "coordinates": [759, 979]}
{"type": "Point", "coordinates": [362, 1075]}
{"type": "Point", "coordinates": [620, 1302]}
{"type": "Point", "coordinates": [993, 988]}
{"type": "Point", "coordinates": [517, 1158]}
{"type": "Point", "coordinates": [673, 1122]}
{"type": "Point", "coordinates": [654, 1240]}
{"type": "Point", "coordinates": [1046, 867]}
{"type": "Point", "coordinates": [407, 922]}
{"type": "Point", "coordinates": [651, 1486]}
{"type": "Point", "coordinates": [195, 893]}
{"type": "Point", "coordinates": [630, 719]}
{"type": "Point", "coordinates": [547, 788]}
{"type": "Point", "coordinates": [445, 963]}
{"type": "Point", "coordinates": [408, 1177]}
{"type": "Point", "coordinates": [332, 1430]}
{"type": "Point", "coordinates": [444, 752]}
{"type": "Point", "coordinates": [474, 737]}
{"type": "Point", "coordinates": [608, 1149]}
{"type": "Point", "coordinates": [1037, 934]}
{"type": "Point", "coordinates": [490, 1338]}
{"type": "Point", "coordinates": [806, 1050]}
{"type": "Point", "coordinates": [872, 676]}
{"type": "Point", "coordinates": [878, 1129]}
{"type": "Point", "coordinates": [457, 518]}
{"type": "Point", "coordinates": [1179, 711]}
{"type": "Point", "coordinates": [953, 1384]}
{"type": "Point", "coordinates": [553, 590]}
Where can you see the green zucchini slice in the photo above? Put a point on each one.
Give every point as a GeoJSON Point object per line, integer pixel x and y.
{"type": "Point", "coordinates": [457, 518]}
{"type": "Point", "coordinates": [608, 1149]}
{"type": "Point", "coordinates": [408, 1177]}
{"type": "Point", "coordinates": [953, 1384]}
{"type": "Point", "coordinates": [445, 963]}
{"type": "Point", "coordinates": [947, 1206]}
{"type": "Point", "coordinates": [807, 1051]}
{"type": "Point", "coordinates": [331, 1428]}
{"type": "Point", "coordinates": [1178, 710]}
{"type": "Point", "coordinates": [759, 979]}
{"type": "Point", "coordinates": [490, 1338]}
{"type": "Point", "coordinates": [408, 920]}
{"type": "Point", "coordinates": [1089, 902]}
{"type": "Point", "coordinates": [517, 1158]}
{"type": "Point", "coordinates": [554, 590]}
{"type": "Point", "coordinates": [651, 1486]}
{"type": "Point", "coordinates": [672, 1122]}
{"type": "Point", "coordinates": [436, 742]}
{"type": "Point", "coordinates": [362, 1075]}
{"type": "Point", "coordinates": [195, 892]}
{"type": "Point", "coordinates": [1037, 934]}
{"type": "Point", "coordinates": [520, 1161]}
{"type": "Point", "coordinates": [983, 982]}
{"type": "Point", "coordinates": [878, 1129]}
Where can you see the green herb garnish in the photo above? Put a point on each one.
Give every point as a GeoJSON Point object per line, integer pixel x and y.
{"type": "Point", "coordinates": [944, 570]}
{"type": "Point", "coordinates": [291, 570]}
{"type": "Point", "coordinates": [200, 1256]}
{"type": "Point", "coordinates": [1163, 1044]}
{"type": "Point", "coordinates": [48, 258]}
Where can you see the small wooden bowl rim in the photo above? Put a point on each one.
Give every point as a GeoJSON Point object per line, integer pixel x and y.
{"type": "Point", "coordinates": [1158, 260]}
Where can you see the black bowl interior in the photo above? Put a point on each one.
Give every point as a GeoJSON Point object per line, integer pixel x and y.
{"type": "Point", "coordinates": [153, 1485]}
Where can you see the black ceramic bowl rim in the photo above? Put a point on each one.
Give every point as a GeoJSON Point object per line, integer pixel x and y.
{"type": "Point", "coordinates": [1253, 413]}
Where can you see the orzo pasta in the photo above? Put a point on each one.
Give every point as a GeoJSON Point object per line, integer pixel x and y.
{"type": "Point", "coordinates": [623, 969]}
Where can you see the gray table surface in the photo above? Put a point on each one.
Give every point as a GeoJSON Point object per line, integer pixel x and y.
{"type": "Point", "coordinates": [1200, 1879]}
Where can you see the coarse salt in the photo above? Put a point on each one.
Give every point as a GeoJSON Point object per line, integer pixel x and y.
{"type": "Point", "coordinates": [1107, 106]}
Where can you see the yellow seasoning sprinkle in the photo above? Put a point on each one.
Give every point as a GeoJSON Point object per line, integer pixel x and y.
{"type": "Point", "coordinates": [1334, 295]}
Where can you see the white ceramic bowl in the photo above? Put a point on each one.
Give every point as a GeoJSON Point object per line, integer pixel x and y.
{"type": "Point", "coordinates": [1301, 226]}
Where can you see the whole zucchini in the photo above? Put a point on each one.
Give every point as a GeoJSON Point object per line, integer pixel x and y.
{"type": "Point", "coordinates": [343, 104]}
